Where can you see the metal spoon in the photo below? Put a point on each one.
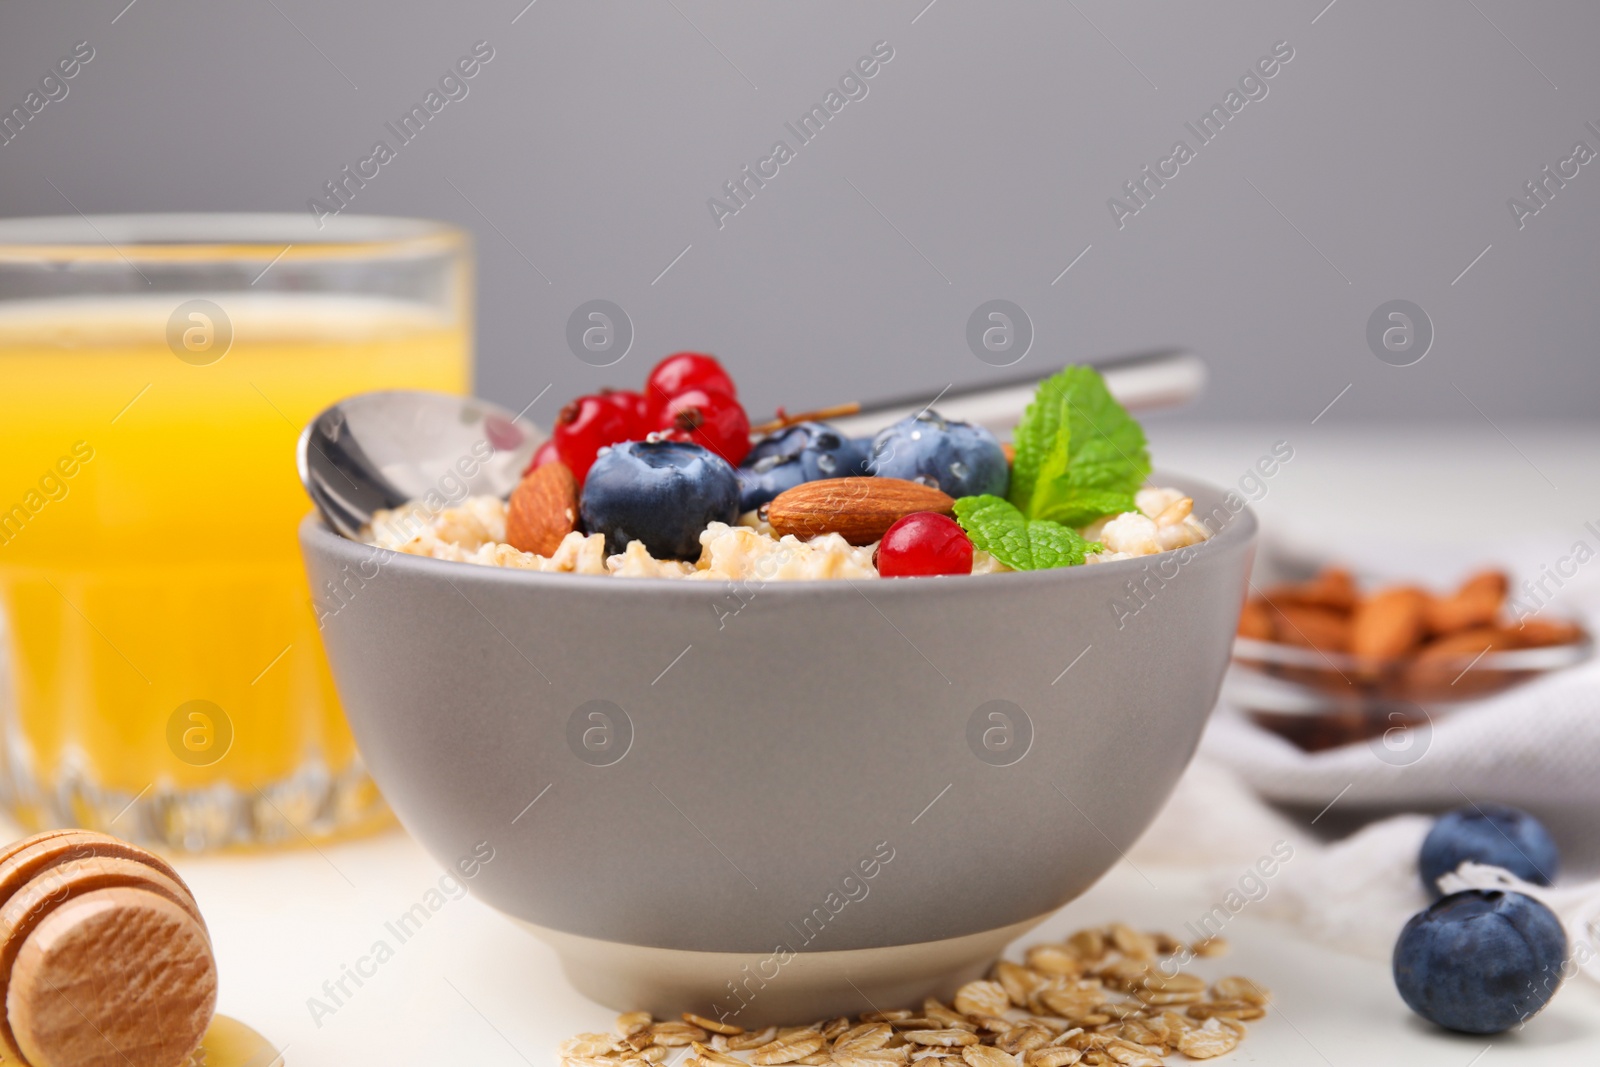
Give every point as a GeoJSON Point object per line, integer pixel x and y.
{"type": "Point", "coordinates": [380, 450]}
{"type": "Point", "coordinates": [383, 449]}
{"type": "Point", "coordinates": [1141, 381]}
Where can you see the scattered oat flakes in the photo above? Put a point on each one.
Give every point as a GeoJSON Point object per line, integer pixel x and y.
{"type": "Point", "coordinates": [1108, 997]}
{"type": "Point", "coordinates": [940, 1037]}
{"type": "Point", "coordinates": [1018, 981]}
{"type": "Point", "coordinates": [1022, 1038]}
{"type": "Point", "coordinates": [711, 1055]}
{"type": "Point", "coordinates": [674, 1034]}
{"type": "Point", "coordinates": [586, 1046]}
{"type": "Point", "coordinates": [1212, 1039]}
{"type": "Point", "coordinates": [982, 998]}
{"type": "Point", "coordinates": [884, 1057]}
{"type": "Point", "coordinates": [788, 1047]}
{"type": "Point", "coordinates": [987, 1056]}
{"type": "Point", "coordinates": [745, 1042]}
{"type": "Point", "coordinates": [1245, 989]}
{"type": "Point", "coordinates": [868, 1037]}
{"type": "Point", "coordinates": [712, 1025]}
{"type": "Point", "coordinates": [1058, 960]}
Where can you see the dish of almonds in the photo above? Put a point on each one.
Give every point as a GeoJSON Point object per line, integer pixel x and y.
{"type": "Point", "coordinates": [1328, 663]}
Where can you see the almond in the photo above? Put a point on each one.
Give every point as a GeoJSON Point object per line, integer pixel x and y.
{"type": "Point", "coordinates": [1476, 603]}
{"type": "Point", "coordinates": [1333, 589]}
{"type": "Point", "coordinates": [544, 509]}
{"type": "Point", "coordinates": [861, 510]}
{"type": "Point", "coordinates": [1389, 623]}
{"type": "Point", "coordinates": [1255, 620]}
{"type": "Point", "coordinates": [1317, 628]}
{"type": "Point", "coordinates": [1466, 645]}
{"type": "Point", "coordinates": [1536, 633]}
{"type": "Point", "coordinates": [1453, 666]}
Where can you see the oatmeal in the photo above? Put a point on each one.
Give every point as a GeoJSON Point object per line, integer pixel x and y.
{"type": "Point", "coordinates": [1165, 521]}
{"type": "Point", "coordinates": [671, 483]}
{"type": "Point", "coordinates": [468, 534]}
{"type": "Point", "coordinates": [474, 532]}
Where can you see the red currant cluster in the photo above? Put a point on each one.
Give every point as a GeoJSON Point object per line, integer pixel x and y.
{"type": "Point", "coordinates": [688, 397]}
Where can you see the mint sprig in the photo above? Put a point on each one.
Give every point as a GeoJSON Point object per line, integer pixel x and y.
{"type": "Point", "coordinates": [1079, 454]}
{"type": "Point", "coordinates": [997, 527]}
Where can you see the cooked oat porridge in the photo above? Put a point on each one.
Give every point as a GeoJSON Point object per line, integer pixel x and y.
{"type": "Point", "coordinates": [474, 532]}
{"type": "Point", "coordinates": [672, 483]}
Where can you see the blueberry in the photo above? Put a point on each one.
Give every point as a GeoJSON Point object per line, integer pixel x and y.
{"type": "Point", "coordinates": [1480, 961]}
{"type": "Point", "coordinates": [1492, 834]}
{"type": "Point", "coordinates": [760, 486]}
{"type": "Point", "coordinates": [663, 493]}
{"type": "Point", "coordinates": [958, 457]}
{"type": "Point", "coordinates": [804, 452]}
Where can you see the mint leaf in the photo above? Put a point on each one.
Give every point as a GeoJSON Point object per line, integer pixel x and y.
{"type": "Point", "coordinates": [1080, 455]}
{"type": "Point", "coordinates": [1040, 432]}
{"type": "Point", "coordinates": [1057, 457]}
{"type": "Point", "coordinates": [998, 528]}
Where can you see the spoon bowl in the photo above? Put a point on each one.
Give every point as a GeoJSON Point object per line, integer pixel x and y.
{"type": "Point", "coordinates": [383, 449]}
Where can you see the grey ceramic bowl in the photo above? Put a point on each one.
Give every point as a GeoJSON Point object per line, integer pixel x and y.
{"type": "Point", "coordinates": [774, 802]}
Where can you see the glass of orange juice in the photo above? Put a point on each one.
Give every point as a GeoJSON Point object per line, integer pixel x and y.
{"type": "Point", "coordinates": [162, 677]}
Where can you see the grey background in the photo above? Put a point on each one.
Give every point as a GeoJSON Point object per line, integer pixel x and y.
{"type": "Point", "coordinates": [979, 166]}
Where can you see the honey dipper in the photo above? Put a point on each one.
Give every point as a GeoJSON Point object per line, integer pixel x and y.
{"type": "Point", "coordinates": [104, 958]}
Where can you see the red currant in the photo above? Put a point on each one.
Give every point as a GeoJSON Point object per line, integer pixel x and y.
{"type": "Point", "coordinates": [589, 424]}
{"type": "Point", "coordinates": [632, 406]}
{"type": "Point", "coordinates": [545, 453]}
{"type": "Point", "coordinates": [924, 543]}
{"type": "Point", "coordinates": [682, 371]}
{"type": "Point", "coordinates": [713, 420]}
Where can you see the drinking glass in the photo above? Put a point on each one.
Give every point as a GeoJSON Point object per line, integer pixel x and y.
{"type": "Point", "coordinates": [163, 678]}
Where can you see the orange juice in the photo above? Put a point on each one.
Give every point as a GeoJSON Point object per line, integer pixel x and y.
{"type": "Point", "coordinates": [163, 651]}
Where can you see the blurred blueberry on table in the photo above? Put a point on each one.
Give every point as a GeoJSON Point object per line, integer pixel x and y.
{"type": "Point", "coordinates": [804, 452]}
{"type": "Point", "coordinates": [1489, 833]}
{"type": "Point", "coordinates": [958, 457]}
{"type": "Point", "coordinates": [660, 492]}
{"type": "Point", "coordinates": [1480, 961]}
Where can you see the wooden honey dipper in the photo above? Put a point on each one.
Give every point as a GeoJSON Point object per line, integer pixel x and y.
{"type": "Point", "coordinates": [104, 958]}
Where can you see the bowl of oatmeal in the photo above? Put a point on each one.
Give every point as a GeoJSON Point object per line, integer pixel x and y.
{"type": "Point", "coordinates": [768, 781]}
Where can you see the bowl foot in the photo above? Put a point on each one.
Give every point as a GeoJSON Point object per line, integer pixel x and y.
{"type": "Point", "coordinates": [760, 989]}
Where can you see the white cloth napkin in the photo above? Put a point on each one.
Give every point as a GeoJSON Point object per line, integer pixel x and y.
{"type": "Point", "coordinates": [1536, 747]}
{"type": "Point", "coordinates": [1354, 894]}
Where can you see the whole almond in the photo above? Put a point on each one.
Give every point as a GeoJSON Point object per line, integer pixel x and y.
{"type": "Point", "coordinates": [1255, 620]}
{"type": "Point", "coordinates": [860, 510]}
{"type": "Point", "coordinates": [1453, 665]}
{"type": "Point", "coordinates": [1466, 645]}
{"type": "Point", "coordinates": [1389, 623]}
{"type": "Point", "coordinates": [1536, 633]}
{"type": "Point", "coordinates": [1476, 603]}
{"type": "Point", "coordinates": [544, 509]}
{"type": "Point", "coordinates": [1333, 589]}
{"type": "Point", "coordinates": [1316, 628]}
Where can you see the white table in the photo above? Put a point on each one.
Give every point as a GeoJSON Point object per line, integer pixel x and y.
{"type": "Point", "coordinates": [469, 988]}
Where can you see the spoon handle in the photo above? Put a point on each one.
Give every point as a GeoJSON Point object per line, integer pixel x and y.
{"type": "Point", "coordinates": [1141, 381]}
